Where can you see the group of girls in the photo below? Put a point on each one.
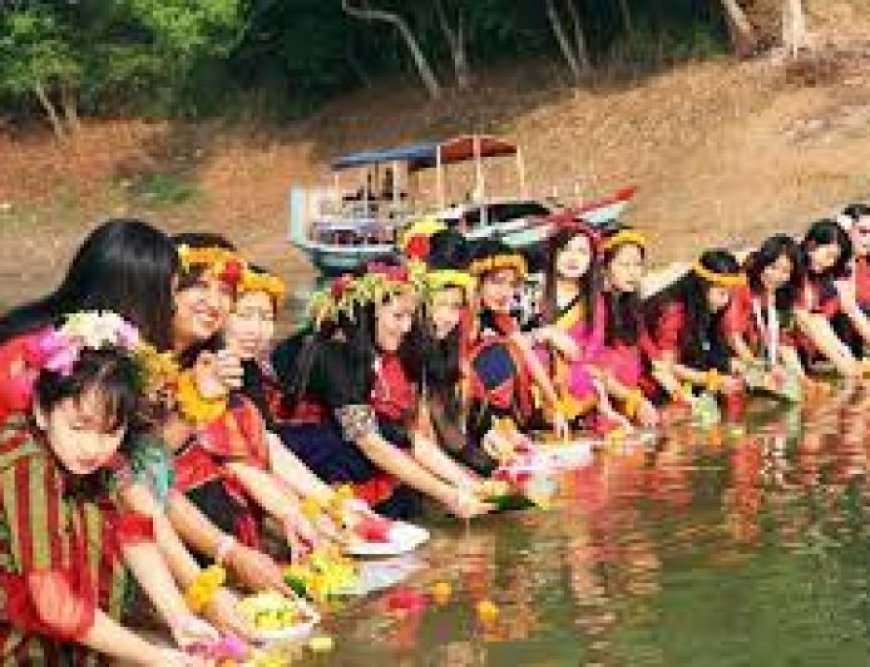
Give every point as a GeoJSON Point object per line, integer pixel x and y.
{"type": "Point", "coordinates": [150, 425]}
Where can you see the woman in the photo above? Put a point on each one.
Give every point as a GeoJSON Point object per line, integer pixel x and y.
{"type": "Point", "coordinates": [827, 253]}
{"type": "Point", "coordinates": [350, 388]}
{"type": "Point", "coordinates": [760, 320]}
{"type": "Point", "coordinates": [502, 367]}
{"type": "Point", "coordinates": [685, 323]}
{"type": "Point", "coordinates": [628, 350]}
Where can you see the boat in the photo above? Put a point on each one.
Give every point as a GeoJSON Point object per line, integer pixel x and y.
{"type": "Point", "coordinates": [340, 231]}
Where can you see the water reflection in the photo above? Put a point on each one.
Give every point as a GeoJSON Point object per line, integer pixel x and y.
{"type": "Point", "coordinates": [747, 545]}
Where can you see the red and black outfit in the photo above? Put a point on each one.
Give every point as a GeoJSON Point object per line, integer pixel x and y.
{"type": "Point", "coordinates": [342, 402]}
{"type": "Point", "coordinates": [201, 472]}
{"type": "Point", "coordinates": [61, 537]}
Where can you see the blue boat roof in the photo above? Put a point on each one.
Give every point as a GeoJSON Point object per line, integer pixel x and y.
{"type": "Point", "coordinates": [423, 152]}
{"type": "Point", "coordinates": [424, 155]}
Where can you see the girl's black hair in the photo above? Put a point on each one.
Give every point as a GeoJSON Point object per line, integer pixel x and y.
{"type": "Point", "coordinates": [125, 266]}
{"type": "Point", "coordinates": [357, 335]}
{"type": "Point", "coordinates": [622, 310]}
{"type": "Point", "coordinates": [778, 245]}
{"type": "Point", "coordinates": [702, 336]}
{"type": "Point", "coordinates": [111, 374]}
{"type": "Point", "coordinates": [589, 283]}
{"type": "Point", "coordinates": [824, 232]}
{"type": "Point", "coordinates": [856, 211]}
{"type": "Point", "coordinates": [448, 249]}
{"type": "Point", "coordinates": [189, 278]}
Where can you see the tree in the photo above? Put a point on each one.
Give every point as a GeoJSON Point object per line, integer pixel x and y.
{"type": "Point", "coordinates": [36, 58]}
{"type": "Point", "coordinates": [424, 69]}
{"type": "Point", "coordinates": [456, 42]}
{"type": "Point", "coordinates": [794, 27]}
{"type": "Point", "coordinates": [575, 52]}
{"type": "Point", "coordinates": [744, 41]}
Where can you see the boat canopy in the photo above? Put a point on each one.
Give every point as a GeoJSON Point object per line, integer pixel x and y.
{"type": "Point", "coordinates": [425, 155]}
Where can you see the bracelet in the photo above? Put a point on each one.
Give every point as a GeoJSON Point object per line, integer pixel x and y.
{"type": "Point", "coordinates": [204, 587]}
{"type": "Point", "coordinates": [632, 403]}
{"type": "Point", "coordinates": [192, 406]}
{"type": "Point", "coordinates": [225, 545]}
{"type": "Point", "coordinates": [714, 380]}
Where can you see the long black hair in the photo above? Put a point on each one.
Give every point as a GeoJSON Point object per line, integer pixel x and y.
{"type": "Point", "coordinates": [125, 266]}
{"type": "Point", "coordinates": [824, 232]}
{"type": "Point", "coordinates": [773, 248]}
{"type": "Point", "coordinates": [623, 322]}
{"type": "Point", "coordinates": [589, 283]}
{"type": "Point", "coordinates": [857, 211]}
{"type": "Point", "coordinates": [294, 359]}
{"type": "Point", "coordinates": [189, 277]}
{"type": "Point", "coordinates": [701, 334]}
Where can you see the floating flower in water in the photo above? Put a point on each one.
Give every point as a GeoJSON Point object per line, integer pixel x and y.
{"type": "Point", "coordinates": [406, 601]}
{"type": "Point", "coordinates": [325, 573]}
{"type": "Point", "coordinates": [441, 592]}
{"type": "Point", "coordinates": [321, 644]}
{"type": "Point", "coordinates": [487, 611]}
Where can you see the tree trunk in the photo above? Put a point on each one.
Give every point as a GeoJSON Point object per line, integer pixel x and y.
{"type": "Point", "coordinates": [794, 27]}
{"type": "Point", "coordinates": [50, 111]}
{"type": "Point", "coordinates": [579, 37]}
{"type": "Point", "coordinates": [627, 21]}
{"type": "Point", "coordinates": [424, 69]}
{"type": "Point", "coordinates": [743, 37]}
{"type": "Point", "coordinates": [562, 39]}
{"type": "Point", "coordinates": [456, 42]}
{"type": "Point", "coordinates": [69, 104]}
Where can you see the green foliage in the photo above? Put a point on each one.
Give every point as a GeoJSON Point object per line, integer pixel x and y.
{"type": "Point", "coordinates": [163, 189]}
{"type": "Point", "coordinates": [209, 57]}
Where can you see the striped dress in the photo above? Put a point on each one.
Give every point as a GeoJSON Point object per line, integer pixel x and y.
{"type": "Point", "coordinates": [59, 554]}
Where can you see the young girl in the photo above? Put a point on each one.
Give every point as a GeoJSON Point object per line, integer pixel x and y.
{"type": "Point", "coordinates": [857, 217]}
{"type": "Point", "coordinates": [66, 538]}
{"type": "Point", "coordinates": [350, 386]}
{"type": "Point", "coordinates": [628, 349]}
{"type": "Point", "coordinates": [571, 325]}
{"type": "Point", "coordinates": [501, 363]}
{"type": "Point", "coordinates": [760, 320]}
{"type": "Point", "coordinates": [685, 323]}
{"type": "Point", "coordinates": [827, 253]}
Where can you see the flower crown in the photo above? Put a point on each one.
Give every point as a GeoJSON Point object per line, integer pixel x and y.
{"type": "Point", "coordinates": [59, 350]}
{"type": "Point", "coordinates": [441, 279]}
{"type": "Point", "coordinates": [255, 281]}
{"type": "Point", "coordinates": [223, 264]}
{"type": "Point", "coordinates": [380, 282]}
{"type": "Point", "coordinates": [624, 237]}
{"type": "Point", "coordinates": [485, 265]}
{"type": "Point", "coordinates": [720, 279]}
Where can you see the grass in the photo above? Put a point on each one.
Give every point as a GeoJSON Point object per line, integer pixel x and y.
{"type": "Point", "coordinates": [162, 189]}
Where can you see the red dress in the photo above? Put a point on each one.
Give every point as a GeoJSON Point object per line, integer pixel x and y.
{"type": "Point", "coordinates": [747, 317]}
{"type": "Point", "coordinates": [60, 553]}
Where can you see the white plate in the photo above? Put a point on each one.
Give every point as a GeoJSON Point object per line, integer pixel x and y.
{"type": "Point", "coordinates": [404, 538]}
{"type": "Point", "coordinates": [378, 575]}
{"type": "Point", "coordinates": [295, 632]}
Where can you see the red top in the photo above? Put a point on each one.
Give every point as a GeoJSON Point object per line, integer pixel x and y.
{"type": "Point", "coordinates": [740, 319]}
{"type": "Point", "coordinates": [393, 395]}
{"type": "Point", "coordinates": [862, 281]}
{"type": "Point", "coordinates": [18, 372]}
{"type": "Point", "coordinates": [59, 550]}
{"type": "Point", "coordinates": [820, 297]}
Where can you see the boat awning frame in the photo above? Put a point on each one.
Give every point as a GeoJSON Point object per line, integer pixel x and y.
{"type": "Point", "coordinates": [425, 155]}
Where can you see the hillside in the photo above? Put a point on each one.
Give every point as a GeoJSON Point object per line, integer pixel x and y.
{"type": "Point", "coordinates": [722, 152]}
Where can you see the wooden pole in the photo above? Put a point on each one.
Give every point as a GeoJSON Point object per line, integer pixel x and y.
{"type": "Point", "coordinates": [478, 170]}
{"type": "Point", "coordinates": [521, 170]}
{"type": "Point", "coordinates": [439, 177]}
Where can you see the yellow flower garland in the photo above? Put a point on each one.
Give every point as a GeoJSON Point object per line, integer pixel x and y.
{"type": "Point", "coordinates": [623, 237]}
{"type": "Point", "coordinates": [204, 587]}
{"type": "Point", "coordinates": [498, 262]}
{"type": "Point", "coordinates": [193, 406]}
{"type": "Point", "coordinates": [262, 282]}
{"type": "Point", "coordinates": [720, 279]}
{"type": "Point", "coordinates": [443, 278]}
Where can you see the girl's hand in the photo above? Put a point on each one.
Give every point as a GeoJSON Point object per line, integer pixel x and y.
{"type": "Point", "coordinates": [257, 571]}
{"type": "Point", "coordinates": [223, 613]}
{"type": "Point", "coordinates": [466, 505]}
{"type": "Point", "coordinates": [647, 414]}
{"type": "Point", "coordinates": [207, 377]}
{"type": "Point", "coordinates": [190, 630]}
{"type": "Point", "coordinates": [229, 369]}
{"type": "Point", "coordinates": [498, 446]}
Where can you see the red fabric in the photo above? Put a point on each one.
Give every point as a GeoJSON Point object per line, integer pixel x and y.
{"type": "Point", "coordinates": [393, 395]}
{"type": "Point", "coordinates": [862, 281]}
{"type": "Point", "coordinates": [376, 490]}
{"type": "Point", "coordinates": [738, 316]}
{"type": "Point", "coordinates": [669, 327]}
{"type": "Point", "coordinates": [130, 528]}
{"type": "Point", "coordinates": [306, 412]}
{"type": "Point", "coordinates": [18, 371]}
{"type": "Point", "coordinates": [820, 299]}
{"type": "Point", "coordinates": [238, 434]}
{"type": "Point", "coordinates": [193, 468]}
{"type": "Point", "coordinates": [57, 603]}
